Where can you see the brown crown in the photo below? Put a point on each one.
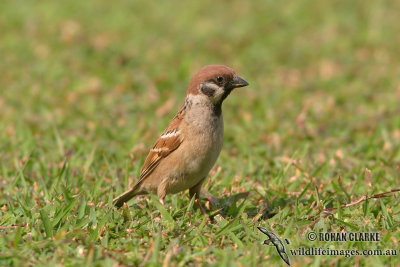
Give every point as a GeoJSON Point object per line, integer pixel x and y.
{"type": "Point", "coordinates": [207, 73]}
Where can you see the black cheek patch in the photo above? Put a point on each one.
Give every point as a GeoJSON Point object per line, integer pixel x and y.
{"type": "Point", "coordinates": [207, 91]}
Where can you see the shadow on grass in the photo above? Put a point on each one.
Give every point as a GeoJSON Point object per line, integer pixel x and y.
{"type": "Point", "coordinates": [231, 206]}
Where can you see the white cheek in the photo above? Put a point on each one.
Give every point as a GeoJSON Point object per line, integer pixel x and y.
{"type": "Point", "coordinates": [218, 94]}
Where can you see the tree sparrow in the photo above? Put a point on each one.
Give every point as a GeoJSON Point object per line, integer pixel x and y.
{"type": "Point", "coordinates": [187, 150]}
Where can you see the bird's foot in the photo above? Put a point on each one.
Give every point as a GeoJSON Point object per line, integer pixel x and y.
{"type": "Point", "coordinates": [213, 201]}
{"type": "Point", "coordinates": [190, 218]}
{"type": "Point", "coordinates": [197, 202]}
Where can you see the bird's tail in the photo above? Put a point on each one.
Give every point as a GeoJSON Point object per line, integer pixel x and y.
{"type": "Point", "coordinates": [124, 197]}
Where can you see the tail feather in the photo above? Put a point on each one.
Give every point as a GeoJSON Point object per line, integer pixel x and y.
{"type": "Point", "coordinates": [124, 197]}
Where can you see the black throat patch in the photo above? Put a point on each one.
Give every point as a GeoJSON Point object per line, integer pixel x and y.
{"type": "Point", "coordinates": [217, 110]}
{"type": "Point", "coordinates": [225, 94]}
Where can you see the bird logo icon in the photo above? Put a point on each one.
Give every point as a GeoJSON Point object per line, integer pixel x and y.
{"type": "Point", "coordinates": [277, 242]}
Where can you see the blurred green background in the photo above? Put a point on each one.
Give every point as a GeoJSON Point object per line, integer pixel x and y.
{"type": "Point", "coordinates": [87, 86]}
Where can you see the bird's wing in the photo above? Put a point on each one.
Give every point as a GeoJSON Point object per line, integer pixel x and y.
{"type": "Point", "coordinates": [284, 256]}
{"type": "Point", "coordinates": [169, 140]}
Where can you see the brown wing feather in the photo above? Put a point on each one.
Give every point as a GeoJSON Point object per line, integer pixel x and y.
{"type": "Point", "coordinates": [169, 140]}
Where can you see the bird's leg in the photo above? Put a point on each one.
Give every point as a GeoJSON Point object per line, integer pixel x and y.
{"type": "Point", "coordinates": [195, 191]}
{"type": "Point", "coordinates": [162, 191]}
{"type": "Point", "coordinates": [197, 202]}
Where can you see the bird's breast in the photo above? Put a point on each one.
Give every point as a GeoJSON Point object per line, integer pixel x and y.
{"type": "Point", "coordinates": [207, 133]}
{"type": "Point", "coordinates": [202, 142]}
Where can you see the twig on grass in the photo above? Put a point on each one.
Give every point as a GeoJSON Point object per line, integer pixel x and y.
{"type": "Point", "coordinates": [12, 226]}
{"type": "Point", "coordinates": [325, 212]}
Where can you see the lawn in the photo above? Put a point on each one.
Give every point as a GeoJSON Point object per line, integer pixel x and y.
{"type": "Point", "coordinates": [88, 86]}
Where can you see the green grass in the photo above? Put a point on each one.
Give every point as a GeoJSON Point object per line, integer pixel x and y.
{"type": "Point", "coordinates": [87, 87]}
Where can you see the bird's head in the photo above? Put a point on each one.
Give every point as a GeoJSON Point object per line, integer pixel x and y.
{"type": "Point", "coordinates": [214, 83]}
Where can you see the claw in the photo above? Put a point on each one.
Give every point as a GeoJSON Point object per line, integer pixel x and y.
{"type": "Point", "coordinates": [190, 219]}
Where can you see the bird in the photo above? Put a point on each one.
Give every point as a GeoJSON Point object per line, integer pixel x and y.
{"type": "Point", "coordinates": [277, 242]}
{"type": "Point", "coordinates": [185, 152]}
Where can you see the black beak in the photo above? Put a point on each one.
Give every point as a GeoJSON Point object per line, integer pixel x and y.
{"type": "Point", "coordinates": [239, 82]}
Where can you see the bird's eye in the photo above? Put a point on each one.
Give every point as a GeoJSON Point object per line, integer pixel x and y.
{"type": "Point", "coordinates": [220, 79]}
